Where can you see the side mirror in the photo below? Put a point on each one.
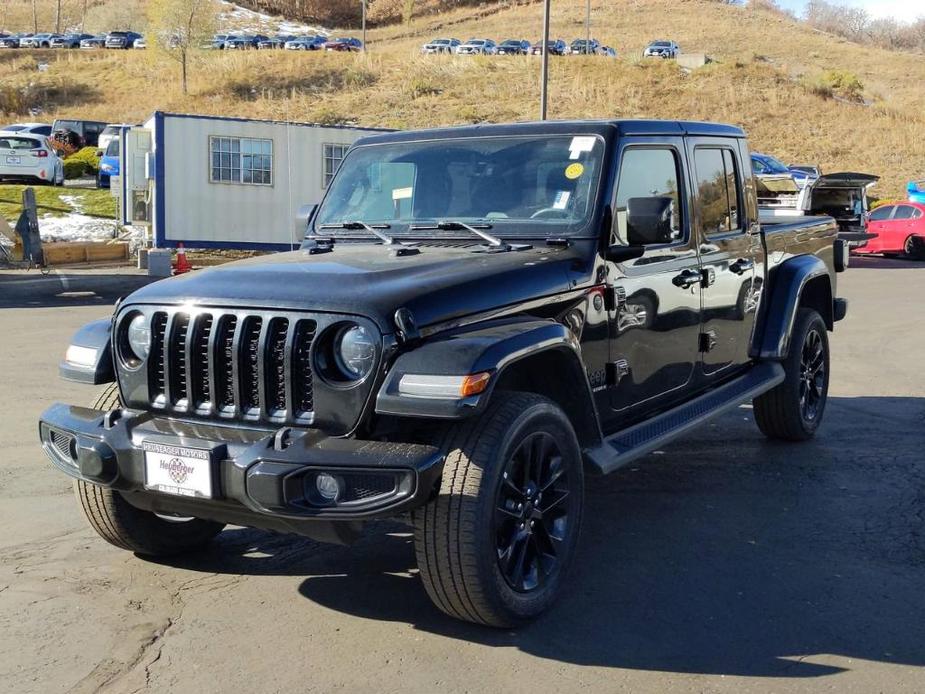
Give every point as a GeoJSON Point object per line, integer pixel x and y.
{"type": "Point", "coordinates": [648, 220]}
{"type": "Point", "coordinates": [620, 254]}
{"type": "Point", "coordinates": [305, 214]}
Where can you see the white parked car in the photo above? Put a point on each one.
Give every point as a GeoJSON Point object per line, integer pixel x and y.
{"type": "Point", "coordinates": [29, 157]}
{"type": "Point", "coordinates": [662, 49]}
{"type": "Point", "coordinates": [28, 128]}
{"type": "Point", "coordinates": [478, 47]}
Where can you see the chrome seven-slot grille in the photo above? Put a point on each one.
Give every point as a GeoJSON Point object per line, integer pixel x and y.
{"type": "Point", "coordinates": [255, 367]}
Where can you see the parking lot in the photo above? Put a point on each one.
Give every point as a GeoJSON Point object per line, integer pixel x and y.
{"type": "Point", "coordinates": [723, 563]}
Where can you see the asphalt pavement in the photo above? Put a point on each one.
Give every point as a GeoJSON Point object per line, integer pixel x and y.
{"type": "Point", "coordinates": [723, 563]}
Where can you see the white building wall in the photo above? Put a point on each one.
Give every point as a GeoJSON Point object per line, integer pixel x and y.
{"type": "Point", "coordinates": [195, 208]}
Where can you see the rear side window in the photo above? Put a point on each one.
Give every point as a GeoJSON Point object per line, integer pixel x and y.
{"type": "Point", "coordinates": [881, 213]}
{"type": "Point", "coordinates": [904, 212]}
{"type": "Point", "coordinates": [648, 177]}
{"type": "Point", "coordinates": [718, 190]}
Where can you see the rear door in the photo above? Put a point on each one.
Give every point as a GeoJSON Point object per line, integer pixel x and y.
{"type": "Point", "coordinates": [730, 251]}
{"type": "Point", "coordinates": [654, 313]}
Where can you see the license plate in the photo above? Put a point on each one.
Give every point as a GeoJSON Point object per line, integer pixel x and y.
{"type": "Point", "coordinates": [178, 470]}
{"type": "Point", "coordinates": [14, 160]}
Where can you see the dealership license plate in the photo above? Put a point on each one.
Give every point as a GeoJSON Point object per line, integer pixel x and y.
{"type": "Point", "coordinates": [14, 160]}
{"type": "Point", "coordinates": [178, 470]}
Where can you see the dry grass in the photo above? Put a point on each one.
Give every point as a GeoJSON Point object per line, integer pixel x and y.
{"type": "Point", "coordinates": [762, 79]}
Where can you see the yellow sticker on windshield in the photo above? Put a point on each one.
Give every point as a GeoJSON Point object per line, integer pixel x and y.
{"type": "Point", "coordinates": [573, 171]}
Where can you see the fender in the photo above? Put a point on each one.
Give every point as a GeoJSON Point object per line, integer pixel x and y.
{"type": "Point", "coordinates": [89, 355]}
{"type": "Point", "coordinates": [489, 347]}
{"type": "Point", "coordinates": [788, 282]}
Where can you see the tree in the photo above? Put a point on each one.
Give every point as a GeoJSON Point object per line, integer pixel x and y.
{"type": "Point", "coordinates": [178, 27]}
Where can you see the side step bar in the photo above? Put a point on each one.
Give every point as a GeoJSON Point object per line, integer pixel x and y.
{"type": "Point", "coordinates": [628, 445]}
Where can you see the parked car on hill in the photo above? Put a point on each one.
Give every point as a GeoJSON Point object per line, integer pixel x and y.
{"type": "Point", "coordinates": [662, 49]}
{"type": "Point", "coordinates": [29, 157]}
{"type": "Point", "coordinates": [585, 47]}
{"type": "Point", "coordinates": [477, 318]}
{"type": "Point", "coordinates": [244, 42]}
{"type": "Point", "coordinates": [218, 41]}
{"type": "Point", "coordinates": [478, 47]}
{"type": "Point", "coordinates": [899, 228]}
{"type": "Point", "coordinates": [87, 131]}
{"type": "Point", "coordinates": [305, 43]}
{"type": "Point", "coordinates": [514, 47]}
{"type": "Point", "coordinates": [42, 40]}
{"type": "Point", "coordinates": [556, 47]}
{"type": "Point", "coordinates": [69, 40]}
{"type": "Point", "coordinates": [441, 46]}
{"type": "Point", "coordinates": [344, 43]}
{"type": "Point", "coordinates": [28, 129]}
{"type": "Point", "coordinates": [804, 175]}
{"type": "Point", "coordinates": [140, 43]}
{"type": "Point", "coordinates": [98, 41]}
{"type": "Point", "coordinates": [121, 39]}
{"type": "Point", "coordinates": [275, 42]}
{"type": "Point", "coordinates": [14, 40]}
{"type": "Point", "coordinates": [609, 52]}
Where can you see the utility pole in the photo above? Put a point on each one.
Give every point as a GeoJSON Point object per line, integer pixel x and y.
{"type": "Point", "coordinates": [364, 25]}
{"type": "Point", "coordinates": [545, 77]}
{"type": "Point", "coordinates": [588, 24]}
{"type": "Point", "coordinates": [58, 17]}
{"type": "Point", "coordinates": [35, 19]}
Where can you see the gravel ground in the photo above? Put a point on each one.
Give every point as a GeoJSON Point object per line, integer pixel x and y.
{"type": "Point", "coordinates": [724, 563]}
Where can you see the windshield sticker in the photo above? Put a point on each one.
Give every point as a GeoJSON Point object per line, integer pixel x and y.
{"type": "Point", "coordinates": [573, 171]}
{"type": "Point", "coordinates": [402, 193]}
{"type": "Point", "coordinates": [562, 198]}
{"type": "Point", "coordinates": [580, 145]}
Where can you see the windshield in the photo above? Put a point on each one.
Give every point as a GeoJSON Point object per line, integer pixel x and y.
{"type": "Point", "coordinates": [661, 44]}
{"type": "Point", "coordinates": [441, 42]}
{"type": "Point", "coordinates": [112, 149]}
{"type": "Point", "coordinates": [529, 186]}
{"type": "Point", "coordinates": [769, 165]}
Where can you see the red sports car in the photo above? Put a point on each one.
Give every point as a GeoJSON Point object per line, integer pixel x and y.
{"type": "Point", "coordinates": [900, 228]}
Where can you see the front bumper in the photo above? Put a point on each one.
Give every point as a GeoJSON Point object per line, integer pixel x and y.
{"type": "Point", "coordinates": [260, 478]}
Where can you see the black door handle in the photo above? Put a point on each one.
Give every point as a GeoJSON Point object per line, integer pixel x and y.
{"type": "Point", "coordinates": [742, 265]}
{"type": "Point", "coordinates": [687, 278]}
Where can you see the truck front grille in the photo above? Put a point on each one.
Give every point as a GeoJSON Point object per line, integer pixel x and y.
{"type": "Point", "coordinates": [251, 367]}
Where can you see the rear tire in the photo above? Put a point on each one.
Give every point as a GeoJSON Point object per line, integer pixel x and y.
{"type": "Point", "coordinates": [490, 548]}
{"type": "Point", "coordinates": [912, 250]}
{"type": "Point", "coordinates": [792, 411]}
{"type": "Point", "coordinates": [127, 527]}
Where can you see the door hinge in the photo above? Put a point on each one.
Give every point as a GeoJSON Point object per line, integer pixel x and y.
{"type": "Point", "coordinates": [616, 371]}
{"type": "Point", "coordinates": [614, 298]}
{"type": "Point", "coordinates": [707, 340]}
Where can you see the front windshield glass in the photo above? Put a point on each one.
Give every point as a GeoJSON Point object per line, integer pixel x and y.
{"type": "Point", "coordinates": [112, 149]}
{"type": "Point", "coordinates": [530, 186]}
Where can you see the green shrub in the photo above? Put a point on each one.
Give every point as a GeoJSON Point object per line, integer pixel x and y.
{"type": "Point", "coordinates": [74, 168]}
{"type": "Point", "coordinates": [89, 157]}
{"type": "Point", "coordinates": [841, 83]}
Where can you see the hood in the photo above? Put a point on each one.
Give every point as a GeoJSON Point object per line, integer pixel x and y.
{"type": "Point", "coordinates": [438, 284]}
{"type": "Point", "coordinates": [775, 183]}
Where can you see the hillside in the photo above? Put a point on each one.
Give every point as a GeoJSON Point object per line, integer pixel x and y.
{"type": "Point", "coordinates": [764, 78]}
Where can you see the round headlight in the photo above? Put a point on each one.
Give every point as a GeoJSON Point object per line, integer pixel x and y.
{"type": "Point", "coordinates": [139, 337]}
{"type": "Point", "coordinates": [355, 350]}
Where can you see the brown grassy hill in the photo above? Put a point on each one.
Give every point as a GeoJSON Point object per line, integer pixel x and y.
{"type": "Point", "coordinates": [763, 79]}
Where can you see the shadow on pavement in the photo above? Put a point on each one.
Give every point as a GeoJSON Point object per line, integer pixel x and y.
{"type": "Point", "coordinates": [20, 289]}
{"type": "Point", "coordinates": [878, 262]}
{"type": "Point", "coordinates": [723, 554]}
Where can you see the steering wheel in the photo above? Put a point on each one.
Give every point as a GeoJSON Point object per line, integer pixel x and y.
{"type": "Point", "coordinates": [549, 212]}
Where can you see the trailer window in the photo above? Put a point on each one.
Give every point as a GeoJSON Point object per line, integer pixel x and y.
{"type": "Point", "coordinates": [242, 160]}
{"type": "Point", "coordinates": [717, 190]}
{"type": "Point", "coordinates": [331, 156]}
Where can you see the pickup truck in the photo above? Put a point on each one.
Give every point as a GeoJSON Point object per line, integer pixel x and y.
{"type": "Point", "coordinates": [480, 322]}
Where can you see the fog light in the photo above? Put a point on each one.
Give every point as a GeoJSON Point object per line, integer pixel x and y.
{"type": "Point", "coordinates": [328, 486]}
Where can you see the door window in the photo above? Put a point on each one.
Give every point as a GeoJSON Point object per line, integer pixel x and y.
{"type": "Point", "coordinates": [904, 212]}
{"type": "Point", "coordinates": [881, 213]}
{"type": "Point", "coordinates": [648, 191]}
{"type": "Point", "coordinates": [717, 190]}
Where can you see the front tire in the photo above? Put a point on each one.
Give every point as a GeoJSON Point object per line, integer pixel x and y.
{"type": "Point", "coordinates": [496, 543]}
{"type": "Point", "coordinates": [792, 411]}
{"type": "Point", "coordinates": [127, 527]}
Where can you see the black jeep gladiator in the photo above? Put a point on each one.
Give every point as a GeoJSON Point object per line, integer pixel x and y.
{"type": "Point", "coordinates": [479, 322]}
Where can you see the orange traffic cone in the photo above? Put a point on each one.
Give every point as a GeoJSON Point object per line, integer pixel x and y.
{"type": "Point", "coordinates": [183, 265]}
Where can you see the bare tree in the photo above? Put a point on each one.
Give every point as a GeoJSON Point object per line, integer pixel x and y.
{"type": "Point", "coordinates": [179, 27]}
{"type": "Point", "coordinates": [58, 17]}
{"type": "Point", "coordinates": [35, 19]}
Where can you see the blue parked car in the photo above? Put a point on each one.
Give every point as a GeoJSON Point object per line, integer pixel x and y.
{"type": "Point", "coordinates": [109, 163]}
{"type": "Point", "coordinates": [916, 190]}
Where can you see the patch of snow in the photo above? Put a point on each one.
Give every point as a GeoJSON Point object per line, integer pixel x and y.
{"type": "Point", "coordinates": [77, 227]}
{"type": "Point", "coordinates": [237, 19]}
{"type": "Point", "coordinates": [75, 202]}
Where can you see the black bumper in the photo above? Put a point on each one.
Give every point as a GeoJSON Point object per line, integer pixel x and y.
{"type": "Point", "coordinates": [259, 478]}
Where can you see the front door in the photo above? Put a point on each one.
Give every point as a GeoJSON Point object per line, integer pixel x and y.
{"type": "Point", "coordinates": [655, 299]}
{"type": "Point", "coordinates": [729, 251]}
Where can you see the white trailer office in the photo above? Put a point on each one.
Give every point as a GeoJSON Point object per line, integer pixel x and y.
{"type": "Point", "coordinates": [217, 182]}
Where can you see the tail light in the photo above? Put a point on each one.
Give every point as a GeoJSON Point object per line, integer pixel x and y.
{"type": "Point", "coordinates": [40, 153]}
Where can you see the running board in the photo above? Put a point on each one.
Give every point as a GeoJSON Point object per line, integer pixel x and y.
{"type": "Point", "coordinates": [628, 445]}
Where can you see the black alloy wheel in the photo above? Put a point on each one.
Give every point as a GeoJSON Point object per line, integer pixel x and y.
{"type": "Point", "coordinates": [812, 375]}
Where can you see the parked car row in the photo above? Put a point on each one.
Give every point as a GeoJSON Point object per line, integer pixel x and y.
{"type": "Point", "coordinates": [112, 39]}
{"type": "Point", "coordinates": [476, 46]}
{"type": "Point", "coordinates": [285, 41]}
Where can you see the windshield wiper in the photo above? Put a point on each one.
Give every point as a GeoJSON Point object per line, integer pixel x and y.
{"type": "Point", "coordinates": [371, 228]}
{"type": "Point", "coordinates": [476, 229]}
